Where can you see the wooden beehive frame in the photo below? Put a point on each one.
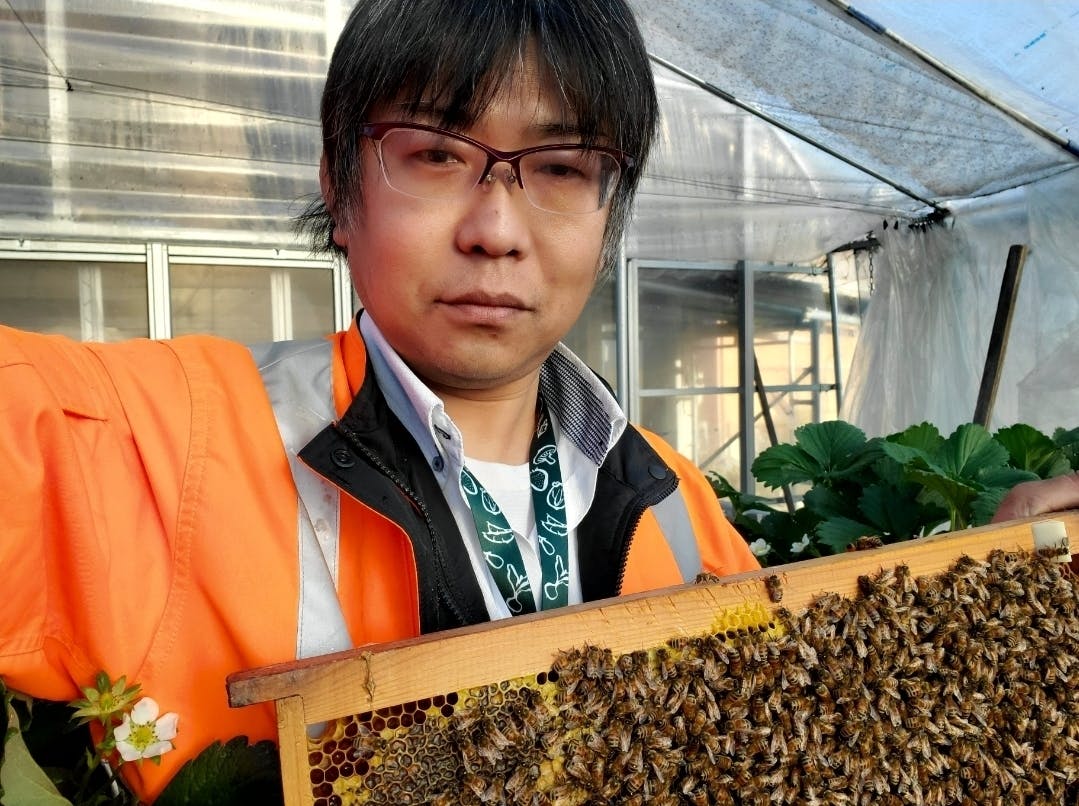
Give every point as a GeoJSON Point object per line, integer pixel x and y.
{"type": "Point", "coordinates": [317, 690]}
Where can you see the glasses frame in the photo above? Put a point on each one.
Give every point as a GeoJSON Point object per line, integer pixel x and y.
{"type": "Point", "coordinates": [376, 131]}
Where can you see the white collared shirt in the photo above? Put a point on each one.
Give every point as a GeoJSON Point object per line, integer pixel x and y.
{"type": "Point", "coordinates": [588, 422]}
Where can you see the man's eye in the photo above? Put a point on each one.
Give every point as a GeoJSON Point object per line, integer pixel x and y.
{"type": "Point", "coordinates": [437, 156]}
{"type": "Point", "coordinates": [561, 169]}
{"type": "Point", "coordinates": [566, 169]}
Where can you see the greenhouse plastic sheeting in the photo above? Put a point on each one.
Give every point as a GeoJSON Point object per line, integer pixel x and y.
{"type": "Point", "coordinates": [200, 118]}
{"type": "Point", "coordinates": [812, 67]}
{"type": "Point", "coordinates": [790, 128]}
{"type": "Point", "coordinates": [923, 346]}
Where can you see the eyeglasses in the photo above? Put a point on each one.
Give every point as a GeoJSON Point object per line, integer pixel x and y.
{"type": "Point", "coordinates": [431, 163]}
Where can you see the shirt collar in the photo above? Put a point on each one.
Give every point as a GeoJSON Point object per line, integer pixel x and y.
{"type": "Point", "coordinates": [585, 410]}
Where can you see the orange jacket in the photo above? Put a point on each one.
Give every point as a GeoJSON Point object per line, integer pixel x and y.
{"type": "Point", "coordinates": [148, 528]}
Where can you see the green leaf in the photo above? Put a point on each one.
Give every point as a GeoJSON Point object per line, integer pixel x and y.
{"type": "Point", "coordinates": [885, 468]}
{"type": "Point", "coordinates": [739, 502]}
{"type": "Point", "coordinates": [969, 450]}
{"type": "Point", "coordinates": [1062, 437]}
{"type": "Point", "coordinates": [905, 455]}
{"type": "Point", "coordinates": [22, 781]}
{"type": "Point", "coordinates": [838, 533]}
{"type": "Point", "coordinates": [1068, 442]}
{"type": "Point", "coordinates": [953, 493]}
{"type": "Point", "coordinates": [1005, 478]}
{"type": "Point", "coordinates": [236, 773]}
{"type": "Point", "coordinates": [985, 505]}
{"type": "Point", "coordinates": [832, 444]}
{"type": "Point", "coordinates": [895, 512]}
{"type": "Point", "coordinates": [782, 530]}
{"type": "Point", "coordinates": [1030, 449]}
{"type": "Point", "coordinates": [828, 503]}
{"type": "Point", "coordinates": [823, 453]}
{"type": "Point", "coordinates": [923, 437]}
{"type": "Point", "coordinates": [996, 483]}
{"type": "Point", "coordinates": [785, 464]}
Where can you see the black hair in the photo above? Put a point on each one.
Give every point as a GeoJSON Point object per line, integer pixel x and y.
{"type": "Point", "coordinates": [454, 55]}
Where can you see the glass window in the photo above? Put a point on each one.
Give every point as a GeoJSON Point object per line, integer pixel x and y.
{"type": "Point", "coordinates": [594, 338]}
{"type": "Point", "coordinates": [85, 300]}
{"type": "Point", "coordinates": [796, 351]}
{"type": "Point", "coordinates": [689, 362]}
{"type": "Point", "coordinates": [689, 357]}
{"type": "Point", "coordinates": [251, 304]}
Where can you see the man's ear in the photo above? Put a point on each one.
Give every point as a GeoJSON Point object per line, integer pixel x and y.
{"type": "Point", "coordinates": [338, 233]}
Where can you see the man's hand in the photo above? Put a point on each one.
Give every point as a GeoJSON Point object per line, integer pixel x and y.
{"type": "Point", "coordinates": [1032, 498]}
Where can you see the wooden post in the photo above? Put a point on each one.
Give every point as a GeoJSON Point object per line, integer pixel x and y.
{"type": "Point", "coordinates": [998, 338]}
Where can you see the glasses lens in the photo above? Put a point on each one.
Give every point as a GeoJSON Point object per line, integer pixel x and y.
{"type": "Point", "coordinates": [439, 165]}
{"type": "Point", "coordinates": [569, 180]}
{"type": "Point", "coordinates": [430, 165]}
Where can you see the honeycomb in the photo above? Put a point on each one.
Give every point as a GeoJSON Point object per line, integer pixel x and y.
{"type": "Point", "coordinates": [959, 688]}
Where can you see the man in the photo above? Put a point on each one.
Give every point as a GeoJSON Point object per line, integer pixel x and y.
{"type": "Point", "coordinates": [176, 511]}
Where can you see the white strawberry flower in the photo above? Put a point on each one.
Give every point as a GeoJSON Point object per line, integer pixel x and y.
{"type": "Point", "coordinates": [760, 547]}
{"type": "Point", "coordinates": [143, 734]}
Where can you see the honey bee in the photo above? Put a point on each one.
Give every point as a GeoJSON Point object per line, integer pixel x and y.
{"type": "Point", "coordinates": [774, 588]}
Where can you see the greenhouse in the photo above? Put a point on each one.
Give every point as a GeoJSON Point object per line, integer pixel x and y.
{"type": "Point", "coordinates": [847, 294]}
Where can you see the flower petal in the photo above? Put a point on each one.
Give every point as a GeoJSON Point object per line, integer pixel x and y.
{"type": "Point", "coordinates": [123, 730]}
{"type": "Point", "coordinates": [157, 749]}
{"type": "Point", "coordinates": [145, 711]}
{"type": "Point", "coordinates": [128, 752]}
{"type": "Point", "coordinates": [165, 728]}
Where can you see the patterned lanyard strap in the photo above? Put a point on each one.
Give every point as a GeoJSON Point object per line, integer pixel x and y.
{"type": "Point", "coordinates": [499, 543]}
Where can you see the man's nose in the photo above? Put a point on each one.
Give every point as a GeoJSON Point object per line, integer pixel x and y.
{"type": "Point", "coordinates": [496, 221]}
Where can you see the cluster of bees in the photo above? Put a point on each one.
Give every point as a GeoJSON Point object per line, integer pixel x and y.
{"type": "Point", "coordinates": [959, 688]}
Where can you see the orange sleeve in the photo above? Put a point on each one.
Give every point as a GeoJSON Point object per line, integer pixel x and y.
{"type": "Point", "coordinates": [65, 450]}
{"type": "Point", "coordinates": [147, 528]}
{"type": "Point", "coordinates": [723, 550]}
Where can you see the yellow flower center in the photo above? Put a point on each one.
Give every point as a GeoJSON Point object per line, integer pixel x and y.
{"type": "Point", "coordinates": [142, 736]}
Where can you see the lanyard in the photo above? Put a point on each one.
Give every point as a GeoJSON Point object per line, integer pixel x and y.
{"type": "Point", "coordinates": [498, 542]}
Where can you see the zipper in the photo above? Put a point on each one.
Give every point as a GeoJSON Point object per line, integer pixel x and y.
{"type": "Point", "coordinates": [376, 461]}
{"type": "Point", "coordinates": [634, 519]}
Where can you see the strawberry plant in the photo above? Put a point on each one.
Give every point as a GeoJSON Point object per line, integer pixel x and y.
{"type": "Point", "coordinates": [892, 488]}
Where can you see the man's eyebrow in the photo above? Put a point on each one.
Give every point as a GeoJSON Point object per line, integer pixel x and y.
{"type": "Point", "coordinates": [559, 128]}
{"type": "Point", "coordinates": [427, 110]}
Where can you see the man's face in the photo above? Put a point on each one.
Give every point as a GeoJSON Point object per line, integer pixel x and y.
{"type": "Point", "coordinates": [474, 292]}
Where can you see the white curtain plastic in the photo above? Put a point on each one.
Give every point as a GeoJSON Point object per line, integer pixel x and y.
{"type": "Point", "coordinates": [924, 341]}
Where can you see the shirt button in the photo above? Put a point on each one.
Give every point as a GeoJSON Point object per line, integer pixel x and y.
{"type": "Point", "coordinates": [438, 464]}
{"type": "Point", "coordinates": [342, 457]}
{"type": "Point", "coordinates": [657, 471]}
